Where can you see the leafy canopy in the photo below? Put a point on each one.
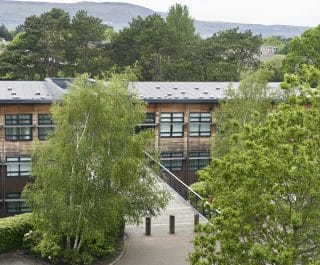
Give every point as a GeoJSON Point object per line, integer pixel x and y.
{"type": "Point", "coordinates": [91, 174]}
{"type": "Point", "coordinates": [268, 190]}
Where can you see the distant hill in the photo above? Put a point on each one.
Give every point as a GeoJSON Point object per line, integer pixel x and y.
{"type": "Point", "coordinates": [118, 15]}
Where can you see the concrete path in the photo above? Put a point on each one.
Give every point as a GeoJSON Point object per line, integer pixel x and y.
{"type": "Point", "coordinates": [162, 248]}
{"type": "Point", "coordinates": [16, 259]}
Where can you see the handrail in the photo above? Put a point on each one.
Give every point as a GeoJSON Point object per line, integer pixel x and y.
{"type": "Point", "coordinates": [204, 212]}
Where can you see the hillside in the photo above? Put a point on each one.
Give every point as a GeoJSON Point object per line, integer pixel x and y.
{"type": "Point", "coordinates": [117, 15]}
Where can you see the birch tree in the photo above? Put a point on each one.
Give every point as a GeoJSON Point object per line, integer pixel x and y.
{"type": "Point", "coordinates": [88, 176]}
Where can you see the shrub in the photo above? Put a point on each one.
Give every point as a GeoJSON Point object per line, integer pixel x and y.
{"type": "Point", "coordinates": [12, 230]}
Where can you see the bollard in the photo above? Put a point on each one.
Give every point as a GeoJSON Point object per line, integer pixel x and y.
{"type": "Point", "coordinates": [171, 230]}
{"type": "Point", "coordinates": [196, 221]}
{"type": "Point", "coordinates": [148, 226]}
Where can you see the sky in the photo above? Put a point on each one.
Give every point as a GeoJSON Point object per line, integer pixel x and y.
{"type": "Point", "coordinates": [269, 12]}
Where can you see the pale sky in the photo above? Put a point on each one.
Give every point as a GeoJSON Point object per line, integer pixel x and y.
{"type": "Point", "coordinates": [285, 12]}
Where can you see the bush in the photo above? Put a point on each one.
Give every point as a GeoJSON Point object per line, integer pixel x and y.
{"type": "Point", "coordinates": [12, 230]}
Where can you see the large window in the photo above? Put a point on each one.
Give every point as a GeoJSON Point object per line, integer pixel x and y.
{"type": "Point", "coordinates": [45, 126]}
{"type": "Point", "coordinates": [18, 166]}
{"type": "Point", "coordinates": [18, 127]}
{"type": "Point", "coordinates": [200, 124]}
{"type": "Point", "coordinates": [198, 160]}
{"type": "Point", "coordinates": [172, 160]}
{"type": "Point", "coordinates": [15, 205]}
{"type": "Point", "coordinates": [171, 124]}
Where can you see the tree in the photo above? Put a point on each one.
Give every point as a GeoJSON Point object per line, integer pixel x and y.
{"type": "Point", "coordinates": [268, 190]}
{"type": "Point", "coordinates": [87, 44]}
{"type": "Point", "coordinates": [179, 61]}
{"type": "Point", "coordinates": [228, 53]}
{"type": "Point", "coordinates": [52, 45]}
{"type": "Point", "coordinates": [4, 33]}
{"type": "Point", "coordinates": [250, 101]}
{"type": "Point", "coordinates": [143, 42]}
{"type": "Point", "coordinates": [39, 51]}
{"type": "Point", "coordinates": [179, 21]}
{"type": "Point", "coordinates": [303, 50]}
{"type": "Point", "coordinates": [92, 173]}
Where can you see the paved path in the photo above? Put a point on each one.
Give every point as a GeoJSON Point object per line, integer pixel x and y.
{"type": "Point", "coordinates": [15, 259]}
{"type": "Point", "coordinates": [162, 248]}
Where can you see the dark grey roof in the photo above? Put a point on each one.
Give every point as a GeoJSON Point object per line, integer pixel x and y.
{"type": "Point", "coordinates": [153, 92]}
{"type": "Point", "coordinates": [62, 82]}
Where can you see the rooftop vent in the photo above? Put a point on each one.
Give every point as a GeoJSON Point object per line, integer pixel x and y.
{"type": "Point", "coordinates": [196, 88]}
{"type": "Point", "coordinates": [159, 97]}
{"type": "Point", "coordinates": [9, 88]}
{"type": "Point", "coordinates": [13, 93]}
{"type": "Point", "coordinates": [205, 92]}
{"type": "Point", "coordinates": [183, 92]}
{"type": "Point", "coordinates": [38, 93]}
{"type": "Point", "coordinates": [42, 97]}
{"type": "Point", "coordinates": [217, 88]}
{"type": "Point", "coordinates": [176, 97]}
{"type": "Point", "coordinates": [169, 94]}
{"type": "Point", "coordinates": [185, 97]}
{"type": "Point", "coordinates": [157, 87]}
{"type": "Point", "coordinates": [175, 88]}
{"type": "Point", "coordinates": [200, 97]}
{"type": "Point", "coordinates": [150, 97]}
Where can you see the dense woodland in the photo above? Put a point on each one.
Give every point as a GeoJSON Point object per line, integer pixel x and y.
{"type": "Point", "coordinates": [55, 44]}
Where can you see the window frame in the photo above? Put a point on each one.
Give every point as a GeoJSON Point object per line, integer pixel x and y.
{"type": "Point", "coordinates": [172, 119]}
{"type": "Point", "coordinates": [170, 159]}
{"type": "Point", "coordinates": [48, 126]}
{"type": "Point", "coordinates": [200, 121]}
{"type": "Point", "coordinates": [196, 158]}
{"type": "Point", "coordinates": [19, 161]}
{"type": "Point", "coordinates": [15, 205]}
{"type": "Point", "coordinates": [16, 124]}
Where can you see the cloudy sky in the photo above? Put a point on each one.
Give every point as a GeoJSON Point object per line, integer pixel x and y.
{"type": "Point", "coordinates": [289, 12]}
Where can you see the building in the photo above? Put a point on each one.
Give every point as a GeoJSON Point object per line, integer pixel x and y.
{"type": "Point", "coordinates": [180, 113]}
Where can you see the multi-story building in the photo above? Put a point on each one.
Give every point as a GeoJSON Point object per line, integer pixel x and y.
{"type": "Point", "coordinates": [180, 113]}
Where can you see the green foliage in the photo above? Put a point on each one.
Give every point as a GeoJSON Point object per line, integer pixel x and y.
{"type": "Point", "coordinates": [89, 173]}
{"type": "Point", "coordinates": [274, 41]}
{"type": "Point", "coordinates": [180, 22]}
{"type": "Point", "coordinates": [275, 65]}
{"type": "Point", "coordinates": [268, 190]}
{"type": "Point", "coordinates": [303, 50]}
{"type": "Point", "coordinates": [12, 230]}
{"type": "Point", "coordinates": [247, 103]}
{"type": "Point", "coordinates": [52, 43]}
{"type": "Point", "coordinates": [201, 188]}
{"type": "Point", "coordinates": [4, 33]}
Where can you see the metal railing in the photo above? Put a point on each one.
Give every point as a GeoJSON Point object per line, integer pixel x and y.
{"type": "Point", "coordinates": [201, 205]}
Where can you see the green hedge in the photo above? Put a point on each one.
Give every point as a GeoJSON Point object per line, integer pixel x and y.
{"type": "Point", "coordinates": [12, 230]}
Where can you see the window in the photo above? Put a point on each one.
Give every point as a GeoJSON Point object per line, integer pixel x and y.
{"type": "Point", "coordinates": [18, 127]}
{"type": "Point", "coordinates": [198, 160]}
{"type": "Point", "coordinates": [14, 204]}
{"type": "Point", "coordinates": [45, 126]}
{"type": "Point", "coordinates": [200, 124]}
{"type": "Point", "coordinates": [18, 166]}
{"type": "Point", "coordinates": [149, 122]}
{"type": "Point", "coordinates": [172, 160]}
{"type": "Point", "coordinates": [171, 124]}
{"type": "Point", "coordinates": [150, 118]}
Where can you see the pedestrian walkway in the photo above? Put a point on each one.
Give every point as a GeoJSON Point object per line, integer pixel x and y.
{"type": "Point", "coordinates": [162, 248]}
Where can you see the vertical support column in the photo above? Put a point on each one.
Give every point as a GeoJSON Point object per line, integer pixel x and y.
{"type": "Point", "coordinates": [148, 226]}
{"type": "Point", "coordinates": [196, 221]}
{"type": "Point", "coordinates": [172, 224]}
